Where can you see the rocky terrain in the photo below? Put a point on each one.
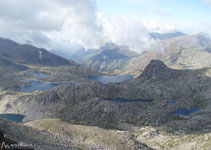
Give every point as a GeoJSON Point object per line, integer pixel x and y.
{"type": "Point", "coordinates": [148, 123]}
{"type": "Point", "coordinates": [93, 115]}
{"type": "Point", "coordinates": [28, 137]}
{"type": "Point", "coordinates": [86, 104]}
{"type": "Point", "coordinates": [151, 123]}
{"type": "Point", "coordinates": [53, 134]}
{"type": "Point", "coordinates": [89, 137]}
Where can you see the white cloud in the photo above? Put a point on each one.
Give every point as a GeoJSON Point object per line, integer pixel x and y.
{"type": "Point", "coordinates": [154, 26]}
{"type": "Point", "coordinates": [50, 19]}
{"type": "Point", "coordinates": [125, 32]}
{"type": "Point", "coordinates": [63, 24]}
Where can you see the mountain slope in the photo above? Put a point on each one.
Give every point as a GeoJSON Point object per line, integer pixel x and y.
{"type": "Point", "coordinates": [8, 66]}
{"type": "Point", "coordinates": [157, 70]}
{"type": "Point", "coordinates": [27, 54]}
{"type": "Point", "coordinates": [88, 137]}
{"type": "Point", "coordinates": [110, 57]}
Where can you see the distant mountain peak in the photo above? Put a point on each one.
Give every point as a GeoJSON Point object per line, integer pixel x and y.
{"type": "Point", "coordinates": [164, 36]}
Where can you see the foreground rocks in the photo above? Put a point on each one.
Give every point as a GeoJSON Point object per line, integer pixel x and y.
{"type": "Point", "coordinates": [160, 140]}
{"type": "Point", "coordinates": [88, 137]}
{"type": "Point", "coordinates": [28, 137]}
{"type": "Point", "coordinates": [56, 135]}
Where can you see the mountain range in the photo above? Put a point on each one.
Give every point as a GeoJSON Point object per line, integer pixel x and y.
{"type": "Point", "coordinates": [141, 113]}
{"type": "Point", "coordinates": [181, 52]}
{"type": "Point", "coordinates": [177, 50]}
{"type": "Point", "coordinates": [107, 58]}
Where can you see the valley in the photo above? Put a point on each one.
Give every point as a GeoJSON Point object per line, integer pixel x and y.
{"type": "Point", "coordinates": [65, 105]}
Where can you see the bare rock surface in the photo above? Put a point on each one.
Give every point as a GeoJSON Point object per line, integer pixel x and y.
{"type": "Point", "coordinates": [89, 137]}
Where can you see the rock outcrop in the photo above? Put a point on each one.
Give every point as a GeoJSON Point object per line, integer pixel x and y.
{"type": "Point", "coordinates": [157, 70]}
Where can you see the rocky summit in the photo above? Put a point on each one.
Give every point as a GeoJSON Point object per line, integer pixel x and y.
{"type": "Point", "coordinates": [157, 70]}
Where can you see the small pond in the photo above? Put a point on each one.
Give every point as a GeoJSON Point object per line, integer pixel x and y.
{"type": "Point", "coordinates": [112, 79]}
{"type": "Point", "coordinates": [185, 112]}
{"type": "Point", "coordinates": [13, 117]}
{"type": "Point", "coordinates": [40, 75]}
{"type": "Point", "coordinates": [77, 84]}
{"type": "Point", "coordinates": [172, 102]}
{"type": "Point", "coordinates": [37, 85]}
{"type": "Point", "coordinates": [122, 100]}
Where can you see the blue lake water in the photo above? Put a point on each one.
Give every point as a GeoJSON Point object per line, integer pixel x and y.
{"type": "Point", "coordinates": [40, 75]}
{"type": "Point", "coordinates": [41, 86]}
{"type": "Point", "coordinates": [12, 117]}
{"type": "Point", "coordinates": [185, 112]}
{"type": "Point", "coordinates": [122, 100]}
{"type": "Point", "coordinates": [172, 102]}
{"type": "Point", "coordinates": [112, 79]}
{"type": "Point", "coordinates": [77, 84]}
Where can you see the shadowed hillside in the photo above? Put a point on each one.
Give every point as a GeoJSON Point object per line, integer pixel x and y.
{"type": "Point", "coordinates": [26, 54]}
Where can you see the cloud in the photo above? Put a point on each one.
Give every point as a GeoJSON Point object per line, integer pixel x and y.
{"type": "Point", "coordinates": [207, 1]}
{"type": "Point", "coordinates": [159, 12]}
{"type": "Point", "coordinates": [125, 32]}
{"type": "Point", "coordinates": [39, 37]}
{"type": "Point", "coordinates": [31, 15]}
{"type": "Point", "coordinates": [154, 26]}
{"type": "Point", "coordinates": [69, 24]}
{"type": "Point", "coordinates": [41, 21]}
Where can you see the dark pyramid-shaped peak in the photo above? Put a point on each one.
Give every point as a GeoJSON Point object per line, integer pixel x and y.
{"type": "Point", "coordinates": [156, 69]}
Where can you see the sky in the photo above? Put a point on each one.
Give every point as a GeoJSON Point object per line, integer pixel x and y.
{"type": "Point", "coordinates": [179, 14]}
{"type": "Point", "coordinates": [70, 24]}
